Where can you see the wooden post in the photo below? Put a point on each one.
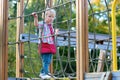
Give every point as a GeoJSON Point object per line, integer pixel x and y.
{"type": "Point", "coordinates": [101, 61]}
{"type": "Point", "coordinates": [3, 40]}
{"type": "Point", "coordinates": [82, 38]}
{"type": "Point", "coordinates": [19, 47]}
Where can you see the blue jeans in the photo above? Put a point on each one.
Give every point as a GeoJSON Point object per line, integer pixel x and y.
{"type": "Point", "coordinates": [46, 60]}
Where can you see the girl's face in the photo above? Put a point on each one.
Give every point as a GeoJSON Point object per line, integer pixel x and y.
{"type": "Point", "coordinates": [49, 17]}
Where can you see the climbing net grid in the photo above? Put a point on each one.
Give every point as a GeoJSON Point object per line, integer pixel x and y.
{"type": "Point", "coordinates": [64, 62]}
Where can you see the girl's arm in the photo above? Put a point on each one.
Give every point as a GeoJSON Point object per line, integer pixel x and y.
{"type": "Point", "coordinates": [35, 19]}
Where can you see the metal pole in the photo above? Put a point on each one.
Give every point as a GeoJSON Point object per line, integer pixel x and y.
{"type": "Point", "coordinates": [114, 52]}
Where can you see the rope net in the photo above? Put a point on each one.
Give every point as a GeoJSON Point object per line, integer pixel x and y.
{"type": "Point", "coordinates": [64, 62]}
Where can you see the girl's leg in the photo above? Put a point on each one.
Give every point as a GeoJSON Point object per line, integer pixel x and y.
{"type": "Point", "coordinates": [46, 60]}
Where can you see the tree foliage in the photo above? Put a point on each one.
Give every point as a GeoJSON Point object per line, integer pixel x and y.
{"type": "Point", "coordinates": [100, 13]}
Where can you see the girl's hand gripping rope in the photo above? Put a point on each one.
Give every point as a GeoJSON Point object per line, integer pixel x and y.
{"type": "Point", "coordinates": [34, 14]}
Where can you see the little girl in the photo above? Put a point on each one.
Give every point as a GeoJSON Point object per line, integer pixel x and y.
{"type": "Point", "coordinates": [46, 46]}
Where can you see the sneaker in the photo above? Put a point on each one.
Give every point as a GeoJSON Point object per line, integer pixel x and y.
{"type": "Point", "coordinates": [41, 74]}
{"type": "Point", "coordinates": [44, 76]}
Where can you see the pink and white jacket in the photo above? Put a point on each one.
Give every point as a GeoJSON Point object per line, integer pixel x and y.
{"type": "Point", "coordinates": [47, 45]}
{"type": "Point", "coordinates": [47, 31]}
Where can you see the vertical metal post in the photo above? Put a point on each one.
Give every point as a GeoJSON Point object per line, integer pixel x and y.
{"type": "Point", "coordinates": [20, 46]}
{"type": "Point", "coordinates": [3, 40]}
{"type": "Point", "coordinates": [82, 38]}
{"type": "Point", "coordinates": [114, 51]}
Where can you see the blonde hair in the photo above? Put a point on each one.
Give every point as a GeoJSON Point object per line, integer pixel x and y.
{"type": "Point", "coordinates": [48, 10]}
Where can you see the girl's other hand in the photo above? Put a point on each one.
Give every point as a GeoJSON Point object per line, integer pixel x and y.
{"type": "Point", "coordinates": [34, 14]}
{"type": "Point", "coordinates": [56, 31]}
